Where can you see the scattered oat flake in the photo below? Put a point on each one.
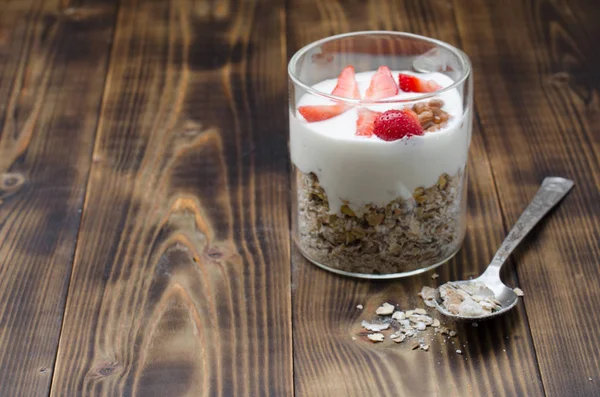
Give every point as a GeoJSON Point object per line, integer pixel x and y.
{"type": "Point", "coordinates": [405, 324]}
{"type": "Point", "coordinates": [374, 326]}
{"type": "Point", "coordinates": [427, 293]}
{"type": "Point", "coordinates": [385, 309]}
{"type": "Point", "coordinates": [459, 351]}
{"type": "Point", "coordinates": [376, 337]}
{"type": "Point", "coordinates": [434, 276]}
{"type": "Point", "coordinates": [519, 291]}
{"type": "Point", "coordinates": [399, 339]}
{"type": "Point", "coordinates": [354, 338]}
{"type": "Point", "coordinates": [359, 307]}
{"type": "Point", "coordinates": [399, 315]}
{"type": "Point", "coordinates": [419, 318]}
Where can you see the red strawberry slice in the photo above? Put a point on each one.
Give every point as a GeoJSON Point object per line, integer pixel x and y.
{"type": "Point", "coordinates": [365, 124]}
{"type": "Point", "coordinates": [396, 124]}
{"type": "Point", "coordinates": [382, 84]}
{"type": "Point", "coordinates": [321, 112]}
{"type": "Point", "coordinates": [410, 83]}
{"type": "Point", "coordinates": [347, 87]}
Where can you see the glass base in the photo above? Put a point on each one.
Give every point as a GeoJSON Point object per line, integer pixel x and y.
{"type": "Point", "coordinates": [380, 276]}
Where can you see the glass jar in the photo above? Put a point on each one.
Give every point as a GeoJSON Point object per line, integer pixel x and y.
{"type": "Point", "coordinates": [371, 199]}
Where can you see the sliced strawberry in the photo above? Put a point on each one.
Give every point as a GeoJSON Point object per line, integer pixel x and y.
{"type": "Point", "coordinates": [321, 112]}
{"type": "Point", "coordinates": [382, 84]}
{"type": "Point", "coordinates": [410, 83]}
{"type": "Point", "coordinates": [396, 124]}
{"type": "Point", "coordinates": [347, 87]}
{"type": "Point", "coordinates": [365, 124]}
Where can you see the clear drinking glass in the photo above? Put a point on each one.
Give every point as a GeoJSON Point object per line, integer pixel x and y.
{"type": "Point", "coordinates": [369, 207]}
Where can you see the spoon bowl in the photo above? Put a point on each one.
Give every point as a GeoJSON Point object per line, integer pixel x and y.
{"type": "Point", "coordinates": [553, 189]}
{"type": "Point", "coordinates": [504, 294]}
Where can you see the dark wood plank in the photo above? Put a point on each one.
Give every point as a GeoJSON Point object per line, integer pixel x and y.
{"type": "Point", "coordinates": [53, 60]}
{"type": "Point", "coordinates": [499, 357]}
{"type": "Point", "coordinates": [181, 279]}
{"type": "Point", "coordinates": [538, 101]}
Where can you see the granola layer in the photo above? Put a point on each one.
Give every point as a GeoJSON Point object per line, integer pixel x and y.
{"type": "Point", "coordinates": [405, 235]}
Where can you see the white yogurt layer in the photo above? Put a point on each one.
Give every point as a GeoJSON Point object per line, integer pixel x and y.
{"type": "Point", "coordinates": [368, 170]}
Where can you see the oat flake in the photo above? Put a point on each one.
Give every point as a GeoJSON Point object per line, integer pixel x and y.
{"type": "Point", "coordinates": [519, 291]}
{"type": "Point", "coordinates": [385, 309]}
{"type": "Point", "coordinates": [376, 337]}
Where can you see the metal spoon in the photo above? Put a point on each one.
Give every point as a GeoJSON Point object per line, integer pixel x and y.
{"type": "Point", "coordinates": [553, 189]}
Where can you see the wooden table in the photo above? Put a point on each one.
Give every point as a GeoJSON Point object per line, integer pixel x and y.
{"type": "Point", "coordinates": [144, 198]}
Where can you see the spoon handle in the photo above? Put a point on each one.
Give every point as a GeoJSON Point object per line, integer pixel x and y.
{"type": "Point", "coordinates": [553, 189]}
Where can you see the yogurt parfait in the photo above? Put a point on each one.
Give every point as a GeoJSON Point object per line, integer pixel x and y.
{"type": "Point", "coordinates": [379, 160]}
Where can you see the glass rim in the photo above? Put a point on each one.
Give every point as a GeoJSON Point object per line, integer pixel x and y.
{"type": "Point", "coordinates": [464, 59]}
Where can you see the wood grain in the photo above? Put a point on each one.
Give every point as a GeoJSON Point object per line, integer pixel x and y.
{"type": "Point", "coordinates": [181, 279]}
{"type": "Point", "coordinates": [165, 123]}
{"type": "Point", "coordinates": [538, 102]}
{"type": "Point", "coordinates": [53, 61]}
{"type": "Point", "coordinates": [499, 354]}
